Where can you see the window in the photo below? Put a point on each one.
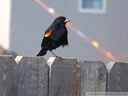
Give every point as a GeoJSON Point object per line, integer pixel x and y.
{"type": "Point", "coordinates": [92, 6]}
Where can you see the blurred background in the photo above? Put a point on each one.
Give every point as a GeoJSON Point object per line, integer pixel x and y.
{"type": "Point", "coordinates": [98, 28]}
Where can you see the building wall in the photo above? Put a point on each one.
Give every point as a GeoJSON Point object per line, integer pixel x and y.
{"type": "Point", "coordinates": [29, 21]}
{"type": "Point", "coordinates": [5, 23]}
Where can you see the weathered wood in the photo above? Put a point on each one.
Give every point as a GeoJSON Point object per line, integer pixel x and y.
{"type": "Point", "coordinates": [93, 77]}
{"type": "Point", "coordinates": [64, 78]}
{"type": "Point", "coordinates": [8, 72]}
{"type": "Point", "coordinates": [32, 79]}
{"type": "Point", "coordinates": [118, 78]}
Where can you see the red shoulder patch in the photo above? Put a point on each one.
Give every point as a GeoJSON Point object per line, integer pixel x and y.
{"type": "Point", "coordinates": [48, 33]}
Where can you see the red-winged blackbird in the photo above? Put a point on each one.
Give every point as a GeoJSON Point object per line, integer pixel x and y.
{"type": "Point", "coordinates": [55, 36]}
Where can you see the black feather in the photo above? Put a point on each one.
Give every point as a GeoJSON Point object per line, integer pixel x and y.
{"type": "Point", "coordinates": [55, 36]}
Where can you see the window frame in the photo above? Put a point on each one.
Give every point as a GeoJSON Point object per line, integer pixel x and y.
{"type": "Point", "coordinates": [86, 10]}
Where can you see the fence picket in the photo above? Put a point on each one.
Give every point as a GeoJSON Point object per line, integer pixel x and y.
{"type": "Point", "coordinates": [32, 79]}
{"type": "Point", "coordinates": [64, 80]}
{"type": "Point", "coordinates": [8, 70]}
{"type": "Point", "coordinates": [31, 76]}
{"type": "Point", "coordinates": [93, 77]}
{"type": "Point", "coordinates": [118, 78]}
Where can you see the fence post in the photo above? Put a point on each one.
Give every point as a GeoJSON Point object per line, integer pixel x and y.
{"type": "Point", "coordinates": [32, 78]}
{"type": "Point", "coordinates": [93, 77]}
{"type": "Point", "coordinates": [118, 77]}
{"type": "Point", "coordinates": [8, 70]}
{"type": "Point", "coordinates": [64, 78]}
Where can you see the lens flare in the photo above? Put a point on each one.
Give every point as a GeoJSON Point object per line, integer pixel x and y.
{"type": "Point", "coordinates": [80, 33]}
{"type": "Point", "coordinates": [95, 44]}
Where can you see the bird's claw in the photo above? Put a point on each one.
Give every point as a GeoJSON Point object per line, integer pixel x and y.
{"type": "Point", "coordinates": [59, 58]}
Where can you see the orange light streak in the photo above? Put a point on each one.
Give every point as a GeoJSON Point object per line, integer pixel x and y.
{"type": "Point", "coordinates": [93, 43]}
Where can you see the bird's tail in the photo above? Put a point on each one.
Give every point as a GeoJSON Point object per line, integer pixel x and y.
{"type": "Point", "coordinates": [42, 52]}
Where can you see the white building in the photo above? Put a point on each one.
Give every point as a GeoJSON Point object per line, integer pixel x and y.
{"type": "Point", "coordinates": [5, 8]}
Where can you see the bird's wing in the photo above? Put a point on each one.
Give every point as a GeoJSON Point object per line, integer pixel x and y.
{"type": "Point", "coordinates": [48, 33]}
{"type": "Point", "coordinates": [55, 34]}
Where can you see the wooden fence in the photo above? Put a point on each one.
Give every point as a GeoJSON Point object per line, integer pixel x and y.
{"type": "Point", "coordinates": [31, 76]}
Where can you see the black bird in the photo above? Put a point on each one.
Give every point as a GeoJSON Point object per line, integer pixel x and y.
{"type": "Point", "coordinates": [55, 36]}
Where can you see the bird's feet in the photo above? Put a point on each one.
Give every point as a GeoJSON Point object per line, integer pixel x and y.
{"type": "Point", "coordinates": [59, 58]}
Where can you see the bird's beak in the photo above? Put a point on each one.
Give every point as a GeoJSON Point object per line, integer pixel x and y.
{"type": "Point", "coordinates": [67, 21]}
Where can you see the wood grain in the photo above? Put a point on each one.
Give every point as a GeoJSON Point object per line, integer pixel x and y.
{"type": "Point", "coordinates": [118, 78]}
{"type": "Point", "coordinates": [32, 79]}
{"type": "Point", "coordinates": [93, 77]}
{"type": "Point", "coordinates": [64, 78]}
{"type": "Point", "coordinates": [8, 73]}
